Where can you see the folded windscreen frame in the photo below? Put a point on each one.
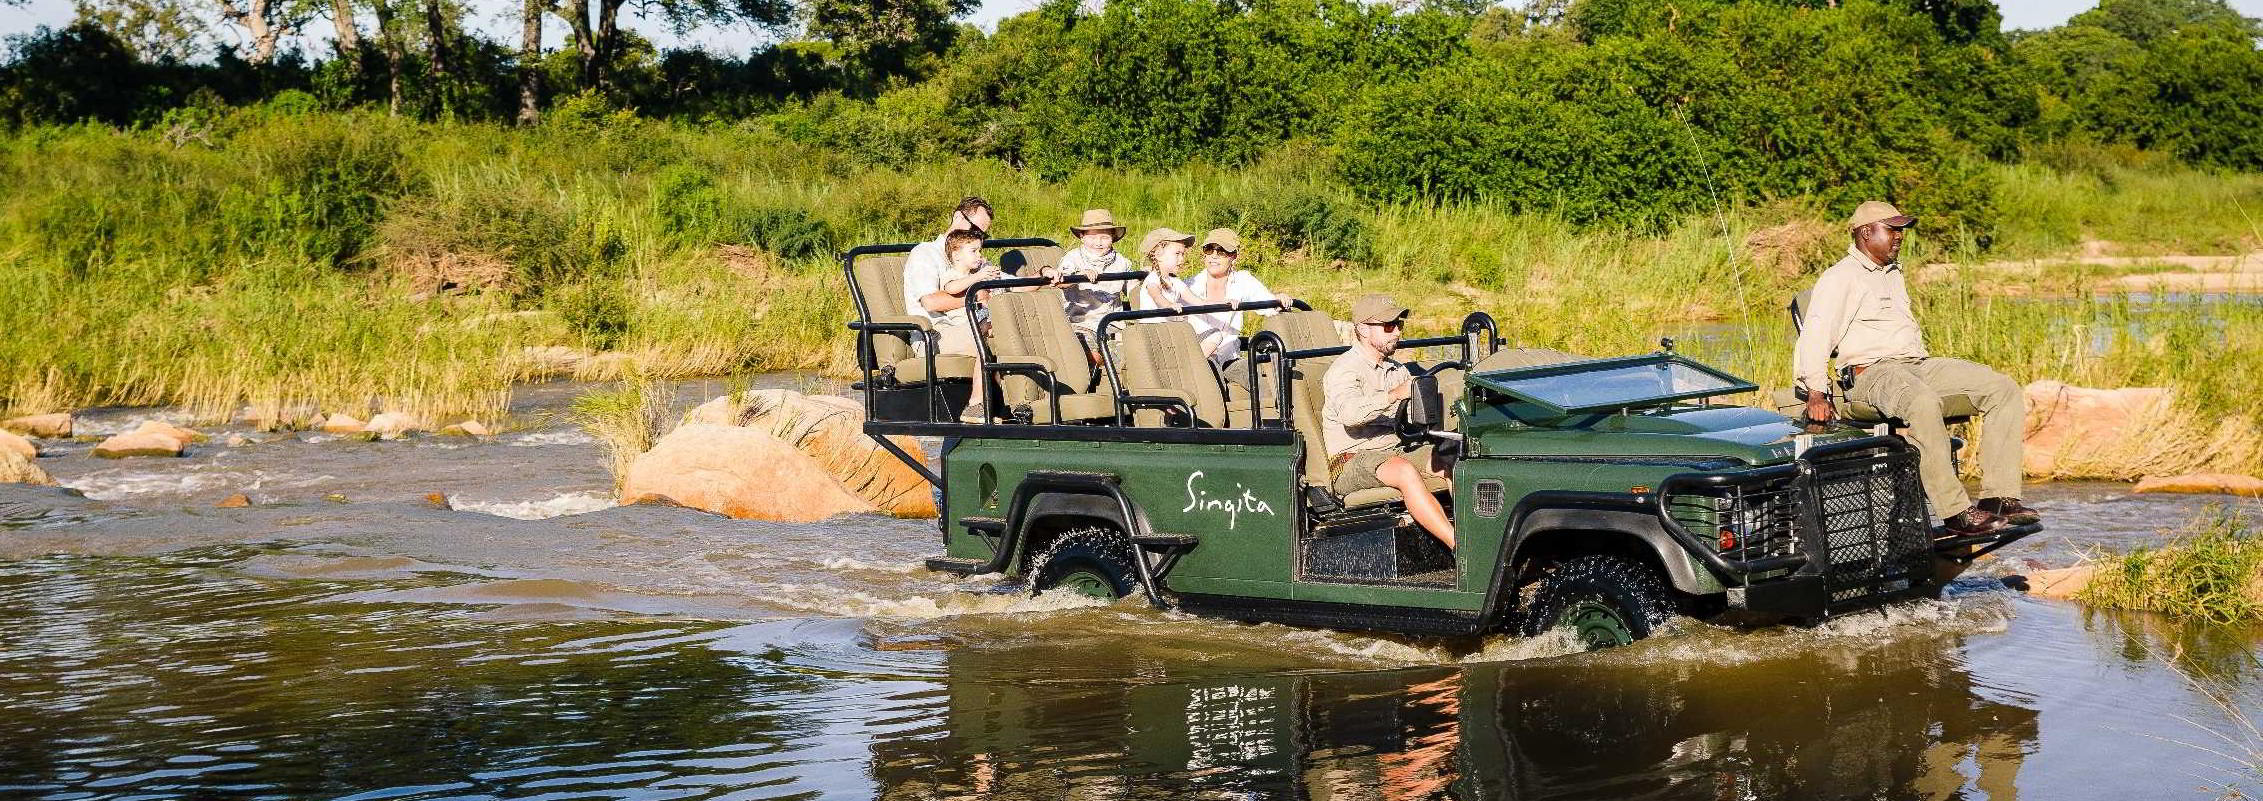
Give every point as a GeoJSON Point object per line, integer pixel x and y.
{"type": "Point", "coordinates": [1611, 385]}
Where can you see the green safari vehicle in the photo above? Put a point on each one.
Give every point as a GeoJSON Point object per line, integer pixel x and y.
{"type": "Point", "coordinates": [1599, 495]}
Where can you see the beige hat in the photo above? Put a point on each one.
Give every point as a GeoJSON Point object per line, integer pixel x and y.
{"type": "Point", "coordinates": [1224, 238]}
{"type": "Point", "coordinates": [1372, 309]}
{"type": "Point", "coordinates": [1879, 211]}
{"type": "Point", "coordinates": [1098, 220]}
{"type": "Point", "coordinates": [1159, 236]}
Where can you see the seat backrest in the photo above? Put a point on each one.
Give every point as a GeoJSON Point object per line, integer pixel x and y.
{"type": "Point", "coordinates": [880, 282]}
{"type": "Point", "coordinates": [1303, 330]}
{"type": "Point", "coordinates": [1034, 326]}
{"type": "Point", "coordinates": [1306, 400]}
{"type": "Point", "coordinates": [1169, 357]}
{"type": "Point", "coordinates": [1798, 308]}
{"type": "Point", "coordinates": [1025, 262]}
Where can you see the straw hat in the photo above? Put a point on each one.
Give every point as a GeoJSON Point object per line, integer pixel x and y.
{"type": "Point", "coordinates": [1148, 243]}
{"type": "Point", "coordinates": [1098, 220]}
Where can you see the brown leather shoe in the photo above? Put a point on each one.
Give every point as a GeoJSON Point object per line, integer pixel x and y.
{"type": "Point", "coordinates": [2010, 509]}
{"type": "Point", "coordinates": [1972, 521]}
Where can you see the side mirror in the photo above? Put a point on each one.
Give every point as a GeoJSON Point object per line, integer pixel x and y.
{"type": "Point", "coordinates": [1426, 408]}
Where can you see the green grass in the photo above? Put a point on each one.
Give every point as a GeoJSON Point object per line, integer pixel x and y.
{"type": "Point", "coordinates": [2211, 572]}
{"type": "Point", "coordinates": [625, 419]}
{"type": "Point", "coordinates": [362, 263]}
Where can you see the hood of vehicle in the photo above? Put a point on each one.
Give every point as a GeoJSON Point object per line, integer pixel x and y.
{"type": "Point", "coordinates": [1753, 436]}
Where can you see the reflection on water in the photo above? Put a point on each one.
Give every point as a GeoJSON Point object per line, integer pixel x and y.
{"type": "Point", "coordinates": [242, 671]}
{"type": "Point", "coordinates": [152, 646]}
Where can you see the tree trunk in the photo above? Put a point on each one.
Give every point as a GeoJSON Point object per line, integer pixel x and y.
{"type": "Point", "coordinates": [530, 57]}
{"type": "Point", "coordinates": [259, 20]}
{"type": "Point", "coordinates": [576, 15]}
{"type": "Point", "coordinates": [436, 40]}
{"type": "Point", "coordinates": [391, 36]}
{"type": "Point", "coordinates": [349, 35]}
{"type": "Point", "coordinates": [608, 37]}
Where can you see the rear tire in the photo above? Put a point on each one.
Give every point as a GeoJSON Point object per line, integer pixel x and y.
{"type": "Point", "coordinates": [1093, 561]}
{"type": "Point", "coordinates": [1606, 601]}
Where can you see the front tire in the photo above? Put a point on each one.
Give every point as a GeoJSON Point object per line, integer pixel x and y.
{"type": "Point", "coordinates": [1606, 601]}
{"type": "Point", "coordinates": [1093, 561]}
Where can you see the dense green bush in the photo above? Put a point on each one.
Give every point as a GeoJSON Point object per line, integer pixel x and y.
{"type": "Point", "coordinates": [790, 232]}
{"type": "Point", "coordinates": [1301, 218]}
{"type": "Point", "coordinates": [596, 311]}
{"type": "Point", "coordinates": [688, 205]}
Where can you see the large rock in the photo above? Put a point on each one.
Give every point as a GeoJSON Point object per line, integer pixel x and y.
{"type": "Point", "coordinates": [739, 472]}
{"type": "Point", "coordinates": [2082, 432]}
{"type": "Point", "coordinates": [185, 435]}
{"type": "Point", "coordinates": [16, 468]}
{"type": "Point", "coordinates": [140, 443]}
{"type": "Point", "coordinates": [43, 426]}
{"type": "Point", "coordinates": [2204, 484]}
{"type": "Point", "coordinates": [342, 424]}
{"type": "Point", "coordinates": [831, 430]}
{"type": "Point", "coordinates": [467, 428]}
{"type": "Point", "coordinates": [11, 442]}
{"type": "Point", "coordinates": [2060, 583]}
{"type": "Point", "coordinates": [392, 425]}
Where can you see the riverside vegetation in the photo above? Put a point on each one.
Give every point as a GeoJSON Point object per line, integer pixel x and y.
{"type": "Point", "coordinates": [1596, 173]}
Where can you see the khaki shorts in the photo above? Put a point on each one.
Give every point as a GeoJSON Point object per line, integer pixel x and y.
{"type": "Point", "coordinates": [1355, 471]}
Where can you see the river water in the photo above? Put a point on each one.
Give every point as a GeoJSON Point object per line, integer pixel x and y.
{"type": "Point", "coordinates": [532, 642]}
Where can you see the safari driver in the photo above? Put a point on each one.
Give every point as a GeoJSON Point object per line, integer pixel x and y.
{"type": "Point", "coordinates": [1860, 313]}
{"type": "Point", "coordinates": [1364, 391]}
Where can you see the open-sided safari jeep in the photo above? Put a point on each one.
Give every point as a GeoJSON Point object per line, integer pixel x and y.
{"type": "Point", "coordinates": [1602, 495]}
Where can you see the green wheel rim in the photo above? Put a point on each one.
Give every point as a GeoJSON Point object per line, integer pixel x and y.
{"type": "Point", "coordinates": [1085, 582]}
{"type": "Point", "coordinates": [1596, 625]}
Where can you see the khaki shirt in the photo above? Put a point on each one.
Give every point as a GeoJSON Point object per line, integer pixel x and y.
{"type": "Point", "coordinates": [1087, 303]}
{"type": "Point", "coordinates": [1357, 413]}
{"type": "Point", "coordinates": [1860, 312]}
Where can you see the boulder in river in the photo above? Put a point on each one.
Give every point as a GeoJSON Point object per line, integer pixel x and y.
{"type": "Point", "coordinates": [467, 428]}
{"type": "Point", "coordinates": [185, 435]}
{"type": "Point", "coordinates": [2080, 431]}
{"type": "Point", "coordinates": [2060, 583]}
{"type": "Point", "coordinates": [140, 443]}
{"type": "Point", "coordinates": [16, 468]}
{"type": "Point", "coordinates": [2203, 484]}
{"type": "Point", "coordinates": [11, 442]}
{"type": "Point", "coordinates": [236, 501]}
{"type": "Point", "coordinates": [830, 429]}
{"type": "Point", "coordinates": [392, 425]}
{"type": "Point", "coordinates": [42, 426]}
{"type": "Point", "coordinates": [744, 473]}
{"type": "Point", "coordinates": [342, 424]}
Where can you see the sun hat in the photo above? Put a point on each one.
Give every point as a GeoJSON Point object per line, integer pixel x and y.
{"type": "Point", "coordinates": [1872, 211]}
{"type": "Point", "coordinates": [1148, 243]}
{"type": "Point", "coordinates": [1374, 309]}
{"type": "Point", "coordinates": [1224, 238]}
{"type": "Point", "coordinates": [1098, 220]}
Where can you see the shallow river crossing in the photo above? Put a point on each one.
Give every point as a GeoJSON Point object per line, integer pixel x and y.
{"type": "Point", "coordinates": [533, 643]}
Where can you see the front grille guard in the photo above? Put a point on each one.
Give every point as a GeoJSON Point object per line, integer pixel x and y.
{"type": "Point", "coordinates": [1860, 496]}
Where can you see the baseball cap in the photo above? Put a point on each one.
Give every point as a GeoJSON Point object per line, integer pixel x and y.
{"type": "Point", "coordinates": [1879, 211]}
{"type": "Point", "coordinates": [1224, 238]}
{"type": "Point", "coordinates": [1372, 309]}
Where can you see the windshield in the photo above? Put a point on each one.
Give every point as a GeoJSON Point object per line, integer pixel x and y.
{"type": "Point", "coordinates": [1612, 384]}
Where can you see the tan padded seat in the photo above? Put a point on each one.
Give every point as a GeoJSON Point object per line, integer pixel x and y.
{"type": "Point", "coordinates": [947, 365]}
{"type": "Point", "coordinates": [1032, 327]}
{"type": "Point", "coordinates": [1025, 262]}
{"type": "Point", "coordinates": [880, 281]}
{"type": "Point", "coordinates": [1167, 361]}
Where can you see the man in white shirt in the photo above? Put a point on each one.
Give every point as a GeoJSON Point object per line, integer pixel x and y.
{"type": "Point", "coordinates": [1860, 314]}
{"type": "Point", "coordinates": [925, 266]}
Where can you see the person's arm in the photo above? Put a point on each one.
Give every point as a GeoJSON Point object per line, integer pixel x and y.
{"type": "Point", "coordinates": [1827, 312]}
{"type": "Point", "coordinates": [1247, 288]}
{"type": "Point", "coordinates": [1347, 401]}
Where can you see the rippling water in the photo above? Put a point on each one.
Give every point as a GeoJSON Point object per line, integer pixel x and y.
{"type": "Point", "coordinates": [154, 647]}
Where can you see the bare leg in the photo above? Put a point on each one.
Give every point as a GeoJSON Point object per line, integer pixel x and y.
{"type": "Point", "coordinates": [1398, 473]}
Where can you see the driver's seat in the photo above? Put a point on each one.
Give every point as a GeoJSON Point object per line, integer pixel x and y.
{"type": "Point", "coordinates": [1304, 406]}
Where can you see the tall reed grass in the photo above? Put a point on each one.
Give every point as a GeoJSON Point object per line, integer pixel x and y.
{"type": "Point", "coordinates": [362, 263]}
{"type": "Point", "coordinates": [2211, 572]}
